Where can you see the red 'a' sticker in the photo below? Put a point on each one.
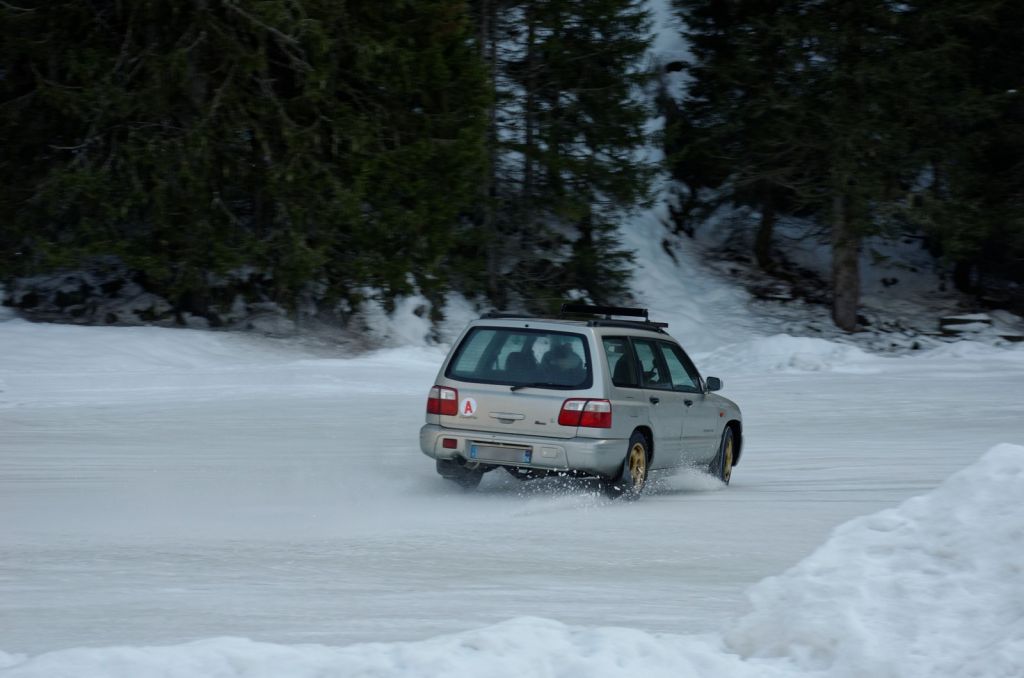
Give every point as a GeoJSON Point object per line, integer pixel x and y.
{"type": "Point", "coordinates": [468, 407]}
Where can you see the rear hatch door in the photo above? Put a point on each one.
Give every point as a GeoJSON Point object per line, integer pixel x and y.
{"type": "Point", "coordinates": [498, 409]}
{"type": "Point", "coordinates": [514, 379]}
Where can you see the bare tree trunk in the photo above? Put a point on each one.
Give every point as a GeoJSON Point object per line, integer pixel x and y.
{"type": "Point", "coordinates": [528, 114]}
{"type": "Point", "coordinates": [488, 50]}
{"type": "Point", "coordinates": [845, 267]}
{"type": "Point", "coordinates": [963, 277]}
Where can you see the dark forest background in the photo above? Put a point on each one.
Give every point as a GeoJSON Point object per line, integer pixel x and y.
{"type": "Point", "coordinates": [308, 153]}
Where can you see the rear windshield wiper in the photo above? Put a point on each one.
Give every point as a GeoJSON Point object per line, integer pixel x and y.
{"type": "Point", "coordinates": [541, 384]}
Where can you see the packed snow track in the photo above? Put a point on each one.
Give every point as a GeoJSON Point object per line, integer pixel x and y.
{"type": "Point", "coordinates": [160, 487]}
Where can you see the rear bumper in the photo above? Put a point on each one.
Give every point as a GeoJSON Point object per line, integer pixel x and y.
{"type": "Point", "coordinates": [598, 456]}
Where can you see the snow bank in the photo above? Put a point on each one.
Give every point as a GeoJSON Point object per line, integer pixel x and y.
{"type": "Point", "coordinates": [526, 647]}
{"type": "Point", "coordinates": [409, 323]}
{"type": "Point", "coordinates": [977, 350]}
{"type": "Point", "coordinates": [783, 353]}
{"type": "Point", "coordinates": [50, 364]}
{"type": "Point", "coordinates": [53, 348]}
{"type": "Point", "coordinates": [933, 588]}
{"type": "Point", "coordinates": [53, 365]}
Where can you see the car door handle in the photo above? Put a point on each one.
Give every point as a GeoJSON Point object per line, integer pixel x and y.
{"type": "Point", "coordinates": [688, 402]}
{"type": "Point", "coordinates": [655, 401]}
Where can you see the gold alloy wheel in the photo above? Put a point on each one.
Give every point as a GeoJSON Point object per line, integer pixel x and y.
{"type": "Point", "coordinates": [727, 460]}
{"type": "Point", "coordinates": [638, 466]}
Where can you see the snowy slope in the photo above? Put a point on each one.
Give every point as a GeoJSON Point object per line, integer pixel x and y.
{"type": "Point", "coordinates": [905, 290]}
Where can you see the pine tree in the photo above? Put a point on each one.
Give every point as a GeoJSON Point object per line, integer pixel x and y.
{"type": "Point", "coordinates": [865, 116]}
{"type": "Point", "coordinates": [805, 98]}
{"type": "Point", "coordinates": [969, 123]}
{"type": "Point", "coordinates": [855, 88]}
{"type": "Point", "coordinates": [730, 131]}
{"type": "Point", "coordinates": [566, 126]}
{"type": "Point", "coordinates": [314, 140]}
{"type": "Point", "coordinates": [425, 90]}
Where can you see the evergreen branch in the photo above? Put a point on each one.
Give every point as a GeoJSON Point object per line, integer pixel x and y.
{"type": "Point", "coordinates": [267, 27]}
{"type": "Point", "coordinates": [9, 6]}
{"type": "Point", "coordinates": [268, 91]}
{"type": "Point", "coordinates": [219, 94]}
{"type": "Point", "coordinates": [124, 48]}
{"type": "Point", "coordinates": [101, 16]}
{"type": "Point", "coordinates": [290, 45]}
{"type": "Point", "coordinates": [10, 102]}
{"type": "Point", "coordinates": [195, 43]}
{"type": "Point", "coordinates": [76, 147]}
{"type": "Point", "coordinates": [222, 206]}
{"type": "Point", "coordinates": [52, 83]}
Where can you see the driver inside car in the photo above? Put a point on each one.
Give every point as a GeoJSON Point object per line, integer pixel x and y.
{"type": "Point", "coordinates": [562, 363]}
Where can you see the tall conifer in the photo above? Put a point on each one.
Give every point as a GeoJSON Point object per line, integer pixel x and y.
{"type": "Point", "coordinates": [315, 141]}
{"type": "Point", "coordinates": [804, 98]}
{"type": "Point", "coordinates": [567, 124]}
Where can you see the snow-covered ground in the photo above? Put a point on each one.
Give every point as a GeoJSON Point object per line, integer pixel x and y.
{"type": "Point", "coordinates": [192, 503]}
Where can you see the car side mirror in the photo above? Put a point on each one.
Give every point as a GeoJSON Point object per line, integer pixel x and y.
{"type": "Point", "coordinates": [713, 384]}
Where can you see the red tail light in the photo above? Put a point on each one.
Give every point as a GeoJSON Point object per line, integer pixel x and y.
{"type": "Point", "coordinates": [587, 413]}
{"type": "Point", "coordinates": [443, 401]}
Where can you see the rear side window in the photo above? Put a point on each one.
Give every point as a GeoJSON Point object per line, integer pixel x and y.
{"type": "Point", "coordinates": [520, 356]}
{"type": "Point", "coordinates": [652, 365]}
{"type": "Point", "coordinates": [471, 351]}
{"type": "Point", "coordinates": [621, 363]}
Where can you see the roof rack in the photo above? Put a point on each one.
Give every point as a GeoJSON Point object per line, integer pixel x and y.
{"type": "Point", "coordinates": [500, 315]}
{"type": "Point", "coordinates": [572, 309]}
{"type": "Point", "coordinates": [609, 311]}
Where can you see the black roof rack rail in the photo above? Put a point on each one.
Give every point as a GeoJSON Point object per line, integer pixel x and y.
{"type": "Point", "coordinates": [609, 311]}
{"type": "Point", "coordinates": [588, 311]}
{"type": "Point", "coordinates": [649, 325]}
{"type": "Point", "coordinates": [498, 315]}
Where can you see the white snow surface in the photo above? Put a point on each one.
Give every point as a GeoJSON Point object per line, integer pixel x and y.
{"type": "Point", "coordinates": [194, 503]}
{"type": "Point", "coordinates": [933, 587]}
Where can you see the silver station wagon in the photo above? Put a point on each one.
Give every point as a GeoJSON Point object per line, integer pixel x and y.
{"type": "Point", "coordinates": [598, 391]}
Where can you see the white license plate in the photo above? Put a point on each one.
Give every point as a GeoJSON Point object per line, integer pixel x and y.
{"type": "Point", "coordinates": [506, 455]}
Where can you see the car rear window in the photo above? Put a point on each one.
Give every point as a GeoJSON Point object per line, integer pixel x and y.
{"type": "Point", "coordinates": [520, 356]}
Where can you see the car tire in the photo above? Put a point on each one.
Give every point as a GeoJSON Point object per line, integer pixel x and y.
{"type": "Point", "coordinates": [465, 476]}
{"type": "Point", "coordinates": [721, 465]}
{"type": "Point", "coordinates": [632, 477]}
